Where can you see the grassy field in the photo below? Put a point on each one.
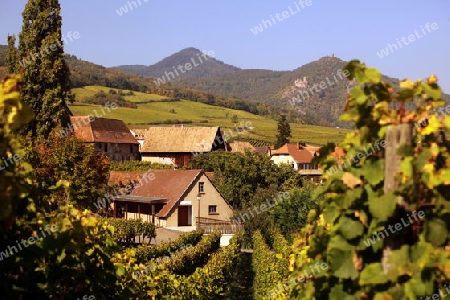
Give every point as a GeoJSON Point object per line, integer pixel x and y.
{"type": "Point", "coordinates": [199, 114]}
{"type": "Point", "coordinates": [82, 93]}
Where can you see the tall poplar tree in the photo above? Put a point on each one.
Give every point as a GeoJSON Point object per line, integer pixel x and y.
{"type": "Point", "coordinates": [41, 62]}
{"type": "Point", "coordinates": [284, 132]}
{"type": "Point", "coordinates": [11, 56]}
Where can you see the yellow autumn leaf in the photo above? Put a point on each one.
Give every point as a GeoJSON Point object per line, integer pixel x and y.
{"type": "Point", "coordinates": [407, 84]}
{"type": "Point", "coordinates": [383, 105]}
{"type": "Point", "coordinates": [434, 149]}
{"type": "Point", "coordinates": [432, 80]}
{"type": "Point", "coordinates": [433, 126]}
{"type": "Point", "coordinates": [447, 121]}
{"type": "Point", "coordinates": [428, 168]}
{"type": "Point", "coordinates": [291, 262]}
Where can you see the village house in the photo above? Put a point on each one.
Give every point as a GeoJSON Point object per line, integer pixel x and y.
{"type": "Point", "coordinates": [299, 156]}
{"type": "Point", "coordinates": [177, 145]}
{"type": "Point", "coordinates": [171, 198]}
{"type": "Point", "coordinates": [110, 136]}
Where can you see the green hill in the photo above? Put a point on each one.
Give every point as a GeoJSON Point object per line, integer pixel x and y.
{"type": "Point", "coordinates": [322, 106]}
{"type": "Point", "coordinates": [84, 73]}
{"type": "Point", "coordinates": [154, 110]}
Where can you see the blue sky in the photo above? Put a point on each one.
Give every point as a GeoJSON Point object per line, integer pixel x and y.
{"type": "Point", "coordinates": [348, 29]}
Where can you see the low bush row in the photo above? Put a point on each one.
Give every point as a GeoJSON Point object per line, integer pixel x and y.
{"type": "Point", "coordinates": [127, 230]}
{"type": "Point", "coordinates": [185, 261]}
{"type": "Point", "coordinates": [144, 253]}
{"type": "Point", "coordinates": [269, 267]}
{"type": "Point", "coordinates": [215, 280]}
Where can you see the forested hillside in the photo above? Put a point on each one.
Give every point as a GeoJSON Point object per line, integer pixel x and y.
{"type": "Point", "coordinates": [202, 67]}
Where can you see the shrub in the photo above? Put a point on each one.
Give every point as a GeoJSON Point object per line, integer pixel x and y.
{"type": "Point", "coordinates": [127, 230]}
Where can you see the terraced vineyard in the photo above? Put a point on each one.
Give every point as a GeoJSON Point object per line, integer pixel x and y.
{"type": "Point", "coordinates": [200, 271]}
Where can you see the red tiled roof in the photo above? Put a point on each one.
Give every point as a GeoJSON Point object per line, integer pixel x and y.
{"type": "Point", "coordinates": [102, 130]}
{"type": "Point", "coordinates": [170, 184]}
{"type": "Point", "coordinates": [338, 153]}
{"type": "Point", "coordinates": [301, 155]}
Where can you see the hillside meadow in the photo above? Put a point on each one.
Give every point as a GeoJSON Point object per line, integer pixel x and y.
{"type": "Point", "coordinates": [154, 112]}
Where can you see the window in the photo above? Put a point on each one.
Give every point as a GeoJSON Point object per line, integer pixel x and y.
{"type": "Point", "coordinates": [201, 187]}
{"type": "Point", "coordinates": [212, 209]}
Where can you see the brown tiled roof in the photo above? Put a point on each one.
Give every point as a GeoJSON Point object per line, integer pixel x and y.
{"type": "Point", "coordinates": [301, 155]}
{"type": "Point", "coordinates": [179, 139]}
{"type": "Point", "coordinates": [263, 150]}
{"type": "Point", "coordinates": [140, 132]}
{"type": "Point", "coordinates": [102, 130]}
{"type": "Point", "coordinates": [170, 184]}
{"type": "Point", "coordinates": [240, 146]}
{"type": "Point", "coordinates": [124, 178]}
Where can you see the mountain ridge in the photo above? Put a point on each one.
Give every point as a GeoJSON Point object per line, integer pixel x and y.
{"type": "Point", "coordinates": [210, 66]}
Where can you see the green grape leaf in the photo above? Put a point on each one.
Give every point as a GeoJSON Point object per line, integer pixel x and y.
{"type": "Point", "coordinates": [436, 231]}
{"type": "Point", "coordinates": [383, 207]}
{"type": "Point", "coordinates": [373, 171]}
{"type": "Point", "coordinates": [373, 274]}
{"type": "Point", "coordinates": [342, 264]}
{"type": "Point", "coordinates": [349, 228]}
{"type": "Point", "coordinates": [372, 75]}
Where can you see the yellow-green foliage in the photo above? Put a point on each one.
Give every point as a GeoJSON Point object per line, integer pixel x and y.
{"type": "Point", "coordinates": [13, 115]}
{"type": "Point", "coordinates": [185, 261]}
{"type": "Point", "coordinates": [266, 266]}
{"type": "Point", "coordinates": [128, 230]}
{"type": "Point", "coordinates": [216, 279]}
{"type": "Point", "coordinates": [413, 261]}
{"type": "Point", "coordinates": [69, 255]}
{"type": "Point", "coordinates": [145, 253]}
{"type": "Point", "coordinates": [282, 249]}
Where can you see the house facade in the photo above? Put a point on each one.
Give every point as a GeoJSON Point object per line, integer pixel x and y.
{"type": "Point", "coordinates": [298, 156]}
{"type": "Point", "coordinates": [139, 136]}
{"type": "Point", "coordinates": [177, 145]}
{"type": "Point", "coordinates": [171, 198]}
{"type": "Point", "coordinates": [110, 136]}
